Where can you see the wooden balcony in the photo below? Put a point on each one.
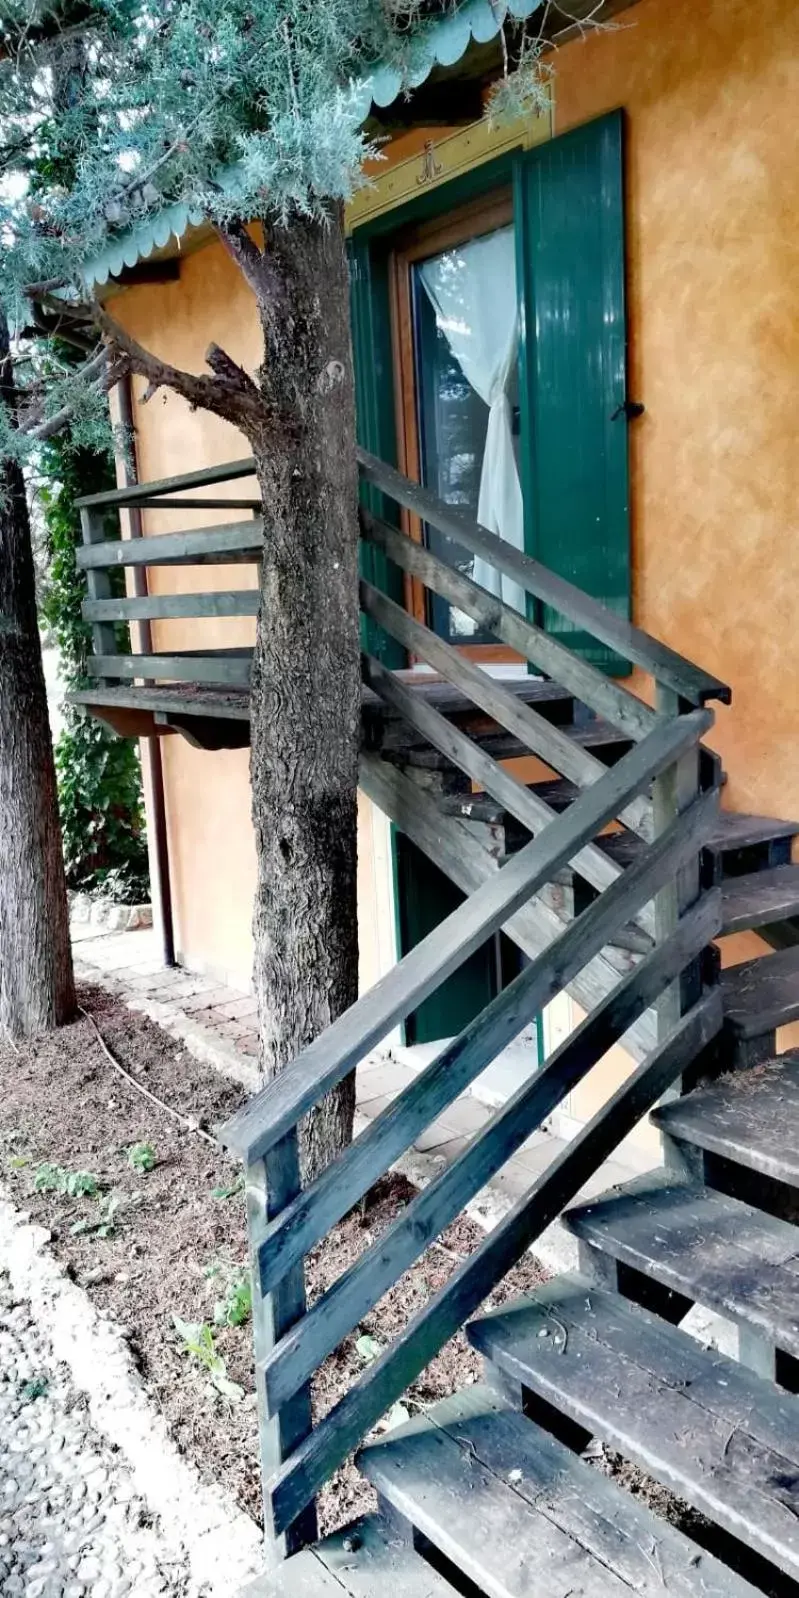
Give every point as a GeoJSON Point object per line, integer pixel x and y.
{"type": "Point", "coordinates": [148, 686]}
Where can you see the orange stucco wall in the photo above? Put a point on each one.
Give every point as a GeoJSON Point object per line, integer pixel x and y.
{"type": "Point", "coordinates": [212, 850]}
{"type": "Point", "coordinates": [711, 89]}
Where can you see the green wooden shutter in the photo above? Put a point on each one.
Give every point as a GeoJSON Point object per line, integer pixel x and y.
{"type": "Point", "coordinates": [569, 206]}
{"type": "Point", "coordinates": [375, 422]}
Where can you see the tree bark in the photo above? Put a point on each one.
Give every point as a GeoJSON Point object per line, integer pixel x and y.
{"type": "Point", "coordinates": [36, 981]}
{"type": "Point", "coordinates": [306, 687]}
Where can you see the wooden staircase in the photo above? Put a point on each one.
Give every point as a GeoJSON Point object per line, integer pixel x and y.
{"type": "Point", "coordinates": [619, 878]}
{"type": "Point", "coordinates": [492, 1485]}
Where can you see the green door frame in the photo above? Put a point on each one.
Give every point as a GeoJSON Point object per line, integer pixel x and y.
{"type": "Point", "coordinates": [601, 142]}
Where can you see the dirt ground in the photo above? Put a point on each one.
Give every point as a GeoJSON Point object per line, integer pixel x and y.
{"type": "Point", "coordinates": [174, 1243]}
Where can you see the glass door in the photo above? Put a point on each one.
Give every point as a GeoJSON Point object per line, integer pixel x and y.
{"type": "Point", "coordinates": [457, 355]}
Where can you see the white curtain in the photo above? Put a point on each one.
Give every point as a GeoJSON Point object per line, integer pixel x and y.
{"type": "Point", "coordinates": [473, 292]}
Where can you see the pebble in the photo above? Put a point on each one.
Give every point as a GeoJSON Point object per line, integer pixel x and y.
{"type": "Point", "coordinates": [70, 1521]}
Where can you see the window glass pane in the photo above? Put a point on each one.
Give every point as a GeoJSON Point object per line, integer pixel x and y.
{"type": "Point", "coordinates": [464, 303]}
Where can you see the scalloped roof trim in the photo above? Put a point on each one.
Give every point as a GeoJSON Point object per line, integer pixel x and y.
{"type": "Point", "coordinates": [444, 45]}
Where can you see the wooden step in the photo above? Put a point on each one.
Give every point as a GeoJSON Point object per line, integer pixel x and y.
{"type": "Point", "coordinates": [749, 1117]}
{"type": "Point", "coordinates": [735, 836]}
{"type": "Point", "coordinates": [386, 729]}
{"type": "Point", "coordinates": [602, 740]}
{"type": "Point", "coordinates": [707, 1247]}
{"type": "Point", "coordinates": [760, 898]}
{"type": "Point", "coordinates": [364, 1560]}
{"type": "Point", "coordinates": [760, 995]}
{"type": "Point", "coordinates": [453, 702]}
{"type": "Point", "coordinates": [482, 807]}
{"type": "Point", "coordinates": [721, 1438]}
{"type": "Point", "coordinates": [518, 1514]}
{"type": "Point", "coordinates": [745, 843]}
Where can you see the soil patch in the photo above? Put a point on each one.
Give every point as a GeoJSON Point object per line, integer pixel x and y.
{"type": "Point", "coordinates": [170, 1241]}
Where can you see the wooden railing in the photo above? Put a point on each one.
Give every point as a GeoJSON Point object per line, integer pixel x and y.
{"type": "Point", "coordinates": [663, 791]}
{"type": "Point", "coordinates": [286, 1221]}
{"type": "Point", "coordinates": [241, 542]}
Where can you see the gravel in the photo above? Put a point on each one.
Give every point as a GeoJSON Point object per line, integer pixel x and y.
{"type": "Point", "coordinates": [71, 1523]}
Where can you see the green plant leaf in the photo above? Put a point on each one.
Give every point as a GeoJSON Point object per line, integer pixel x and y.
{"type": "Point", "coordinates": [228, 1192]}
{"type": "Point", "coordinates": [73, 1184]}
{"type": "Point", "coordinates": [369, 1348]}
{"type": "Point", "coordinates": [141, 1157]}
{"type": "Point", "coordinates": [35, 1388]}
{"type": "Point", "coordinates": [236, 1306]}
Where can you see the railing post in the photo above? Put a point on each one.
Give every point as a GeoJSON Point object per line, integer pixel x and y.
{"type": "Point", "coordinates": [98, 583]}
{"type": "Point", "coordinates": [272, 1183]}
{"type": "Point", "coordinates": [672, 793]}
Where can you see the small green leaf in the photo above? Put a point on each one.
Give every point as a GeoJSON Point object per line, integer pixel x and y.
{"type": "Point", "coordinates": [228, 1389]}
{"type": "Point", "coordinates": [369, 1348]}
{"type": "Point", "coordinates": [228, 1192]}
{"type": "Point", "coordinates": [141, 1157]}
{"type": "Point", "coordinates": [35, 1388]}
{"type": "Point", "coordinates": [81, 1184]}
{"type": "Point", "coordinates": [74, 1184]}
{"type": "Point", "coordinates": [396, 1416]}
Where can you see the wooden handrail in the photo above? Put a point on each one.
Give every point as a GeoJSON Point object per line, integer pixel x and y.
{"type": "Point", "coordinates": [428, 1095]}
{"type": "Point", "coordinates": [590, 685]}
{"type": "Point", "coordinates": [230, 667]}
{"type": "Point", "coordinates": [295, 1358]}
{"type": "Point", "coordinates": [564, 754]}
{"type": "Point", "coordinates": [273, 1112]}
{"type": "Point", "coordinates": [690, 682]}
{"type": "Point", "coordinates": [296, 1482]}
{"type": "Point", "coordinates": [139, 493]}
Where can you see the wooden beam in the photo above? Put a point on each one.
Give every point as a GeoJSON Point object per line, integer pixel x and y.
{"type": "Point", "coordinates": [161, 607]}
{"type": "Point", "coordinates": [212, 703]}
{"type": "Point", "coordinates": [128, 723]}
{"type": "Point", "coordinates": [282, 1102]}
{"type": "Point", "coordinates": [232, 667]}
{"type": "Point", "coordinates": [237, 541]}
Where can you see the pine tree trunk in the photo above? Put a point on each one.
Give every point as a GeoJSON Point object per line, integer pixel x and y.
{"type": "Point", "coordinates": [36, 983]}
{"type": "Point", "coordinates": [306, 694]}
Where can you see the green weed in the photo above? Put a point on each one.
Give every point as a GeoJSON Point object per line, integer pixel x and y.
{"type": "Point", "coordinates": [73, 1184]}
{"type": "Point", "coordinates": [105, 1223]}
{"type": "Point", "coordinates": [229, 1191]}
{"type": "Point", "coordinates": [198, 1340]}
{"type": "Point", "coordinates": [141, 1157]}
{"type": "Point", "coordinates": [236, 1306]}
{"type": "Point", "coordinates": [35, 1388]}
